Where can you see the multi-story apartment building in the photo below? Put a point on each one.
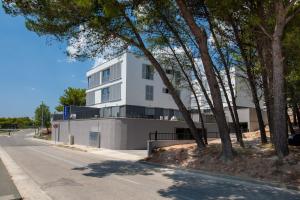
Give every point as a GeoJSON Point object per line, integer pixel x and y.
{"type": "Point", "coordinates": [128, 86]}
{"type": "Point", "coordinates": [243, 96]}
{"type": "Point", "coordinates": [241, 89]}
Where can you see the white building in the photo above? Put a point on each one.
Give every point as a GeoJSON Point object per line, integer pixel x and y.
{"type": "Point", "coordinates": [241, 89]}
{"type": "Point", "coordinates": [128, 86]}
{"type": "Point", "coordinates": [243, 95]}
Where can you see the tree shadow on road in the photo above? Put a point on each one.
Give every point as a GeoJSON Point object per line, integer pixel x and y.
{"type": "Point", "coordinates": [204, 187]}
{"type": "Point", "coordinates": [187, 185]}
{"type": "Point", "coordinates": [110, 167]}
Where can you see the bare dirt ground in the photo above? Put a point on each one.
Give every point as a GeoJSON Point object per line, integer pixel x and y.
{"type": "Point", "coordinates": [254, 161]}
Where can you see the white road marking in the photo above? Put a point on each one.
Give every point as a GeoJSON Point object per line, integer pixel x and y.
{"type": "Point", "coordinates": [26, 186]}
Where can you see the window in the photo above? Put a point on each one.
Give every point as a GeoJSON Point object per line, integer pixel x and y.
{"type": "Point", "coordinates": [89, 81]}
{"type": "Point", "coordinates": [105, 76]}
{"type": "Point", "coordinates": [115, 92]}
{"type": "Point", "coordinates": [165, 90]}
{"type": "Point", "coordinates": [115, 71]}
{"type": "Point", "coordinates": [148, 72]}
{"type": "Point", "coordinates": [90, 98]}
{"type": "Point", "coordinates": [166, 113]}
{"type": "Point", "coordinates": [105, 95]}
{"type": "Point", "coordinates": [149, 111]}
{"type": "Point", "coordinates": [115, 111]}
{"type": "Point", "coordinates": [94, 80]}
{"type": "Point", "coordinates": [149, 92]}
{"type": "Point", "coordinates": [107, 112]}
{"type": "Point", "coordinates": [112, 93]}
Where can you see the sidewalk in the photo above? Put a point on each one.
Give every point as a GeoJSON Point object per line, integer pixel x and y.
{"type": "Point", "coordinates": [130, 155]}
{"type": "Point", "coordinates": [8, 189]}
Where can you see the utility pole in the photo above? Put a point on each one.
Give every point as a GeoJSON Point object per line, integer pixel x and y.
{"type": "Point", "coordinates": [42, 124]}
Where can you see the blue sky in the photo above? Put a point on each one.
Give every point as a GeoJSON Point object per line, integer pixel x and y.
{"type": "Point", "coordinates": [32, 70]}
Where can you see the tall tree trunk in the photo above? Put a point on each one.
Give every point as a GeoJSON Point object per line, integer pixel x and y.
{"type": "Point", "coordinates": [264, 50]}
{"type": "Point", "coordinates": [193, 66]}
{"type": "Point", "coordinates": [257, 106]}
{"type": "Point", "coordinates": [185, 113]}
{"type": "Point", "coordinates": [266, 86]}
{"type": "Point", "coordinates": [280, 139]}
{"type": "Point", "coordinates": [236, 127]}
{"type": "Point", "coordinates": [201, 38]}
{"type": "Point", "coordinates": [233, 109]}
{"type": "Point", "coordinates": [251, 81]}
{"type": "Point", "coordinates": [203, 132]}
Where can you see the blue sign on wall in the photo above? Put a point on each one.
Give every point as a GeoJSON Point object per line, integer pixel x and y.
{"type": "Point", "coordinates": [66, 112]}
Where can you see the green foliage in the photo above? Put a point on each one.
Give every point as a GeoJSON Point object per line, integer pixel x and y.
{"type": "Point", "coordinates": [291, 47]}
{"type": "Point", "coordinates": [42, 116]}
{"type": "Point", "coordinates": [72, 96]}
{"type": "Point", "coordinates": [19, 122]}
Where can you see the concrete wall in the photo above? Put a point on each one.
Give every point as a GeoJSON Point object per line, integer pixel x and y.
{"type": "Point", "coordinates": [120, 133]}
{"type": "Point", "coordinates": [249, 116]}
{"type": "Point", "coordinates": [253, 119]}
{"type": "Point", "coordinates": [111, 136]}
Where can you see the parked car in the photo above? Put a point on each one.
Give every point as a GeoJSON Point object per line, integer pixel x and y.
{"type": "Point", "coordinates": [294, 140]}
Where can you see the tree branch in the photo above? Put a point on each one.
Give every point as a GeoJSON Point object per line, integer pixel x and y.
{"type": "Point", "coordinates": [289, 18]}
{"type": "Point", "coordinates": [265, 31]}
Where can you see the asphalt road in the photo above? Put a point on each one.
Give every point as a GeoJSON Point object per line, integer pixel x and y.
{"type": "Point", "coordinates": [70, 174]}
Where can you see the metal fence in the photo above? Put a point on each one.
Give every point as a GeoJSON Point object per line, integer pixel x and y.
{"type": "Point", "coordinates": [171, 136]}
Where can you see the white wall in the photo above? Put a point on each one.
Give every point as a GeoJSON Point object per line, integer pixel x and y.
{"type": "Point", "coordinates": [121, 81]}
{"type": "Point", "coordinates": [241, 89]}
{"type": "Point", "coordinates": [133, 86]}
{"type": "Point", "coordinates": [136, 87]}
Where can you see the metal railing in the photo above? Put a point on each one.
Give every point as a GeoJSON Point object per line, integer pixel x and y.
{"type": "Point", "coordinates": [181, 136]}
{"type": "Point", "coordinates": [170, 136]}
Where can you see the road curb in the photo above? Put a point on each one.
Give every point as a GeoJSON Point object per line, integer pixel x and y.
{"type": "Point", "coordinates": [25, 185]}
{"type": "Point", "coordinates": [50, 142]}
{"type": "Point", "coordinates": [115, 154]}
{"type": "Point", "coordinates": [227, 177]}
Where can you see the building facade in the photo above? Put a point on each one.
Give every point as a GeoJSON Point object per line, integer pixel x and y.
{"type": "Point", "coordinates": [128, 86]}
{"type": "Point", "coordinates": [243, 96]}
{"type": "Point", "coordinates": [241, 89]}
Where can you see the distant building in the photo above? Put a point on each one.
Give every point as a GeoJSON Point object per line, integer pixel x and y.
{"type": "Point", "coordinates": [242, 91]}
{"type": "Point", "coordinates": [128, 86]}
